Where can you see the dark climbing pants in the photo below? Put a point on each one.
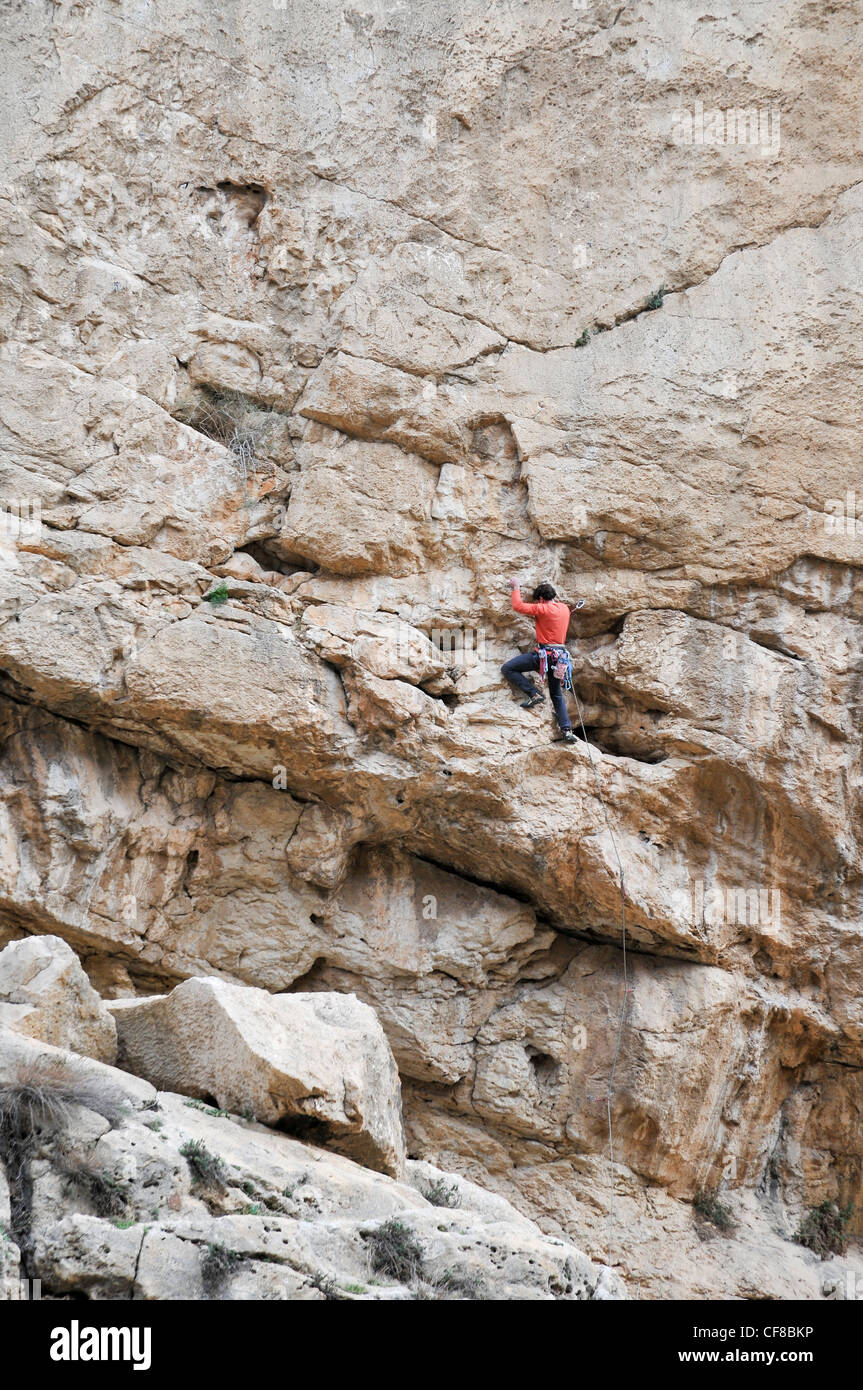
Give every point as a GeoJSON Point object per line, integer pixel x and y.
{"type": "Point", "coordinates": [530, 662]}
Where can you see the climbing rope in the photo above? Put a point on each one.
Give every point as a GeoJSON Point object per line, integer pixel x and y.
{"type": "Point", "coordinates": [625, 1001]}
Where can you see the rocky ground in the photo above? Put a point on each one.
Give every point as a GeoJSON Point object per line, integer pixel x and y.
{"type": "Point", "coordinates": [112, 1189]}
{"type": "Point", "coordinates": [317, 326]}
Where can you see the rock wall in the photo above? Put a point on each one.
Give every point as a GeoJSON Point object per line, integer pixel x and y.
{"type": "Point", "coordinates": [110, 1189]}
{"type": "Point", "coordinates": [341, 318]}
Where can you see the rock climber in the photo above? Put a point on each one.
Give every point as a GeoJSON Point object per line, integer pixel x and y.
{"type": "Point", "coordinates": [551, 618]}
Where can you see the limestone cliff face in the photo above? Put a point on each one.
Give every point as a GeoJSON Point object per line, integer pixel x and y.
{"type": "Point", "coordinates": [343, 317]}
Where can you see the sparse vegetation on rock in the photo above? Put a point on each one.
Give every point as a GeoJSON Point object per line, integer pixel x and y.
{"type": "Point", "coordinates": [295, 316]}
{"type": "Point", "coordinates": [824, 1229]}
{"type": "Point", "coordinates": [227, 416]}
{"type": "Point", "coordinates": [710, 1209]}
{"type": "Point", "coordinates": [442, 1193]}
{"type": "Point", "coordinates": [218, 1263]}
{"type": "Point", "coordinates": [36, 1109]}
{"type": "Point", "coordinates": [207, 1168]}
{"type": "Point", "coordinates": [394, 1250]}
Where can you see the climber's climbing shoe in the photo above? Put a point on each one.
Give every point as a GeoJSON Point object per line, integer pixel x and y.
{"type": "Point", "coordinates": [531, 701]}
{"type": "Point", "coordinates": [568, 737]}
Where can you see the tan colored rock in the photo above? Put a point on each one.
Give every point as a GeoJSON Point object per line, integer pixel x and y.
{"type": "Point", "coordinates": [464, 982]}
{"type": "Point", "coordinates": [405, 240]}
{"type": "Point", "coordinates": [383, 645]}
{"type": "Point", "coordinates": [321, 1210]}
{"type": "Point", "coordinates": [120, 467]}
{"type": "Point", "coordinates": [356, 508]}
{"type": "Point", "coordinates": [45, 994]}
{"type": "Point", "coordinates": [320, 847]}
{"type": "Point", "coordinates": [318, 1063]}
{"type": "Point", "coordinates": [82, 1081]}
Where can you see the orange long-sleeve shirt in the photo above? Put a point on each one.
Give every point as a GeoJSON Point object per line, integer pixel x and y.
{"type": "Point", "coordinates": [550, 616]}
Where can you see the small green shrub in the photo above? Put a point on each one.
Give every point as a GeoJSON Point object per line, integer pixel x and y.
{"type": "Point", "coordinates": [217, 596]}
{"type": "Point", "coordinates": [709, 1208]}
{"type": "Point", "coordinates": [208, 1170]}
{"type": "Point", "coordinates": [326, 1285]}
{"type": "Point", "coordinates": [584, 339]}
{"type": "Point", "coordinates": [395, 1250]}
{"type": "Point", "coordinates": [217, 1266]}
{"type": "Point", "coordinates": [107, 1195]}
{"type": "Point", "coordinates": [442, 1193]}
{"type": "Point", "coordinates": [655, 300]}
{"type": "Point", "coordinates": [199, 1104]}
{"type": "Point", "coordinates": [823, 1229]}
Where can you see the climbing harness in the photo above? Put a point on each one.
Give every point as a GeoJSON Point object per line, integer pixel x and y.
{"type": "Point", "coordinates": [556, 660]}
{"type": "Point", "coordinates": [624, 1005]}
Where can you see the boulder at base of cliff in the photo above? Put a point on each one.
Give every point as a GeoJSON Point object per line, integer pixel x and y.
{"type": "Point", "coordinates": [132, 1195]}
{"type": "Point", "coordinates": [45, 994]}
{"type": "Point", "coordinates": [317, 1065]}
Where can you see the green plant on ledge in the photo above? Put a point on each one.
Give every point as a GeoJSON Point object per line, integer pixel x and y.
{"type": "Point", "coordinates": [442, 1193]}
{"type": "Point", "coordinates": [823, 1229]}
{"type": "Point", "coordinates": [394, 1250]}
{"type": "Point", "coordinates": [208, 1170]}
{"type": "Point", "coordinates": [655, 300]}
{"type": "Point", "coordinates": [708, 1206]}
{"type": "Point", "coordinates": [218, 595]}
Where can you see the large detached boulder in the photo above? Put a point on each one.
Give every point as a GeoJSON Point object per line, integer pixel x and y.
{"type": "Point", "coordinates": [317, 1065]}
{"type": "Point", "coordinates": [45, 994]}
{"type": "Point", "coordinates": [111, 1201]}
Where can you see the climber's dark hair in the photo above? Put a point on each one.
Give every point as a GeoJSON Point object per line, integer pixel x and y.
{"type": "Point", "coordinates": [543, 593]}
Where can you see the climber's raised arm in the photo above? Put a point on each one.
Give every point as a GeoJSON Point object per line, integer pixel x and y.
{"type": "Point", "coordinates": [518, 602]}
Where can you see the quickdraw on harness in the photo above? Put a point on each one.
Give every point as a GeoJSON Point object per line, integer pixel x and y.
{"type": "Point", "coordinates": [558, 661]}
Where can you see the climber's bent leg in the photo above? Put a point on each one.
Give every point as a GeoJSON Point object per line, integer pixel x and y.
{"type": "Point", "coordinates": [513, 669]}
